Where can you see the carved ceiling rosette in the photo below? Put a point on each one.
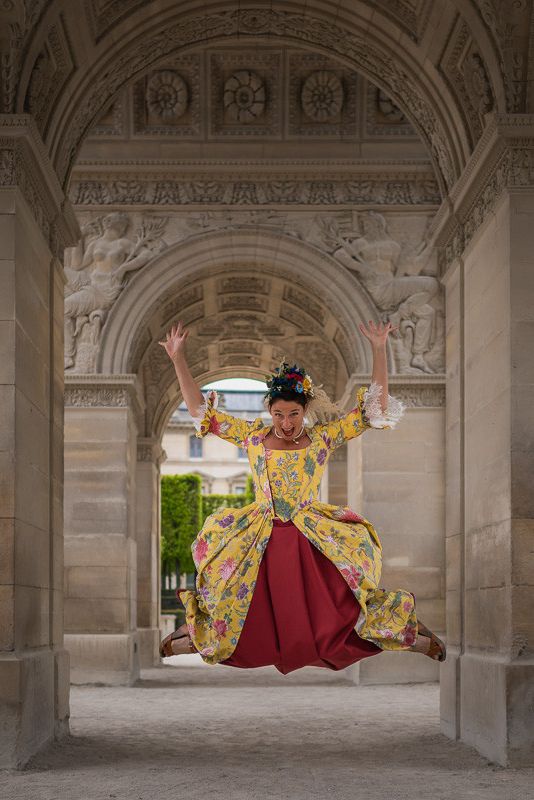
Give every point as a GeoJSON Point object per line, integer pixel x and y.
{"type": "Point", "coordinates": [322, 95]}
{"type": "Point", "coordinates": [167, 94]}
{"type": "Point", "coordinates": [244, 96]}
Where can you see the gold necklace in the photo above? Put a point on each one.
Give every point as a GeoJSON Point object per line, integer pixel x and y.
{"type": "Point", "coordinates": [299, 434]}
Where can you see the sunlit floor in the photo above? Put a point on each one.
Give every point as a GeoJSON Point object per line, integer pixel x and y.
{"type": "Point", "coordinates": [188, 730]}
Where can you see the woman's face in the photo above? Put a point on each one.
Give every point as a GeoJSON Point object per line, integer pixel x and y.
{"type": "Point", "coordinates": [288, 417]}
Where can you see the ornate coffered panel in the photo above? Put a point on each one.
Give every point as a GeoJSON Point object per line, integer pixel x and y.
{"type": "Point", "coordinates": [322, 97]}
{"type": "Point", "coordinates": [166, 102]}
{"type": "Point", "coordinates": [245, 91]}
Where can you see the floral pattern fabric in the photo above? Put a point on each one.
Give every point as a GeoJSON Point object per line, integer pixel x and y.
{"type": "Point", "coordinates": [228, 550]}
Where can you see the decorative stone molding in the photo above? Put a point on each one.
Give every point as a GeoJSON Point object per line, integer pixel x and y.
{"type": "Point", "coordinates": [508, 24]}
{"type": "Point", "coordinates": [24, 165]}
{"type": "Point", "coordinates": [109, 391]}
{"type": "Point", "coordinates": [51, 71]}
{"type": "Point", "coordinates": [503, 160]}
{"type": "Point", "coordinates": [412, 15]}
{"type": "Point", "coordinates": [465, 71]}
{"type": "Point", "coordinates": [106, 14]}
{"type": "Point", "coordinates": [361, 186]}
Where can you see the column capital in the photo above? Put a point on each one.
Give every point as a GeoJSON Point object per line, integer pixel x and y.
{"type": "Point", "coordinates": [149, 449]}
{"type": "Point", "coordinates": [111, 391]}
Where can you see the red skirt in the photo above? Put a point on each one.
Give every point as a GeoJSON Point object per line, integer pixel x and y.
{"type": "Point", "coordinates": [302, 612]}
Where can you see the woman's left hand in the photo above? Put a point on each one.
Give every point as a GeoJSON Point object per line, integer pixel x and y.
{"type": "Point", "coordinates": [377, 333]}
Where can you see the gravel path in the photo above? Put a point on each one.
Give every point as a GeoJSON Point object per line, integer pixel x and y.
{"type": "Point", "coordinates": [192, 731]}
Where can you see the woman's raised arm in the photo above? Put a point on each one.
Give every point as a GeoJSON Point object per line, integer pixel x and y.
{"type": "Point", "coordinates": [174, 345]}
{"type": "Point", "coordinates": [377, 335]}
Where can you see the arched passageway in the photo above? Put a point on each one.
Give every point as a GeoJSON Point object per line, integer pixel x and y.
{"type": "Point", "coordinates": [301, 227]}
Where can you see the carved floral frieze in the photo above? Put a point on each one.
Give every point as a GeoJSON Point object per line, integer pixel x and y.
{"type": "Point", "coordinates": [399, 188]}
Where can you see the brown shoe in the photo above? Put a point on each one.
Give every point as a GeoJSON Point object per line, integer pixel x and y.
{"type": "Point", "coordinates": [165, 648]}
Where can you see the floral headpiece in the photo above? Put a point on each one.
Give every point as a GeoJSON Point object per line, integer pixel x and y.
{"type": "Point", "coordinates": [289, 379]}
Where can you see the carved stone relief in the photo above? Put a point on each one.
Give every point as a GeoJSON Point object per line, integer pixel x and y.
{"type": "Point", "coordinates": [410, 300]}
{"type": "Point", "coordinates": [96, 273]}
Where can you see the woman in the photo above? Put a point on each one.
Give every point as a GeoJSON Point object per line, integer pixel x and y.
{"type": "Point", "coordinates": [288, 580]}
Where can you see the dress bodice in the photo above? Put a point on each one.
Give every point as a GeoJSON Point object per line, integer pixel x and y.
{"type": "Point", "coordinates": [285, 470]}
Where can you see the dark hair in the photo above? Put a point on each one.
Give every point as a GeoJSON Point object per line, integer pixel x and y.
{"type": "Point", "coordinates": [297, 397]}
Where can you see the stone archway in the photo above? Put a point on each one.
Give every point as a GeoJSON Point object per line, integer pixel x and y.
{"type": "Point", "coordinates": [462, 78]}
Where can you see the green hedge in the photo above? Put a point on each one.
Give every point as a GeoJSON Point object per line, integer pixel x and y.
{"type": "Point", "coordinates": [183, 511]}
{"type": "Point", "coordinates": [181, 520]}
{"type": "Point", "coordinates": [213, 502]}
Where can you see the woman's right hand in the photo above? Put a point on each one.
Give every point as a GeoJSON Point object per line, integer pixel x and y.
{"type": "Point", "coordinates": [174, 344]}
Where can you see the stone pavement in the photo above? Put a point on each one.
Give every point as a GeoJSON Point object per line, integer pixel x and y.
{"type": "Point", "coordinates": [191, 731]}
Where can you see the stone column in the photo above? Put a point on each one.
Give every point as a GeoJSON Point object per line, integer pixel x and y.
{"type": "Point", "coordinates": [34, 705]}
{"type": "Point", "coordinates": [101, 421]}
{"type": "Point", "coordinates": [488, 678]}
{"type": "Point", "coordinates": [148, 527]}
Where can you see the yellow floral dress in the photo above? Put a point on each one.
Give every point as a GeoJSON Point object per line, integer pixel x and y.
{"type": "Point", "coordinates": [228, 550]}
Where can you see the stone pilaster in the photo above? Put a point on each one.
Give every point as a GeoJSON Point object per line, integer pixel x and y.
{"type": "Point", "coordinates": [395, 478]}
{"type": "Point", "coordinates": [34, 704]}
{"type": "Point", "coordinates": [488, 240]}
{"type": "Point", "coordinates": [102, 416]}
{"type": "Point", "coordinates": [148, 505]}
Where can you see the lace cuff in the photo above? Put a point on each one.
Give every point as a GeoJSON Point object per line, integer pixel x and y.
{"type": "Point", "coordinates": [372, 409]}
{"type": "Point", "coordinates": [201, 420]}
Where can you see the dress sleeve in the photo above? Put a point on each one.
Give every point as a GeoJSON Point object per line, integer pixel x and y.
{"type": "Point", "coordinates": [210, 420]}
{"type": "Point", "coordinates": [366, 414]}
